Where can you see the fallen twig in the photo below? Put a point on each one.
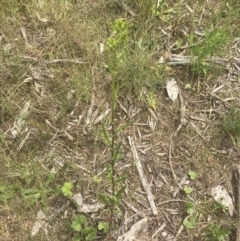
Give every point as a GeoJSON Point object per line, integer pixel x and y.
{"type": "Point", "coordinates": [142, 177]}
{"type": "Point", "coordinates": [178, 232]}
{"type": "Point", "coordinates": [212, 62]}
{"type": "Point", "coordinates": [170, 163]}
{"type": "Point", "coordinates": [183, 120]}
{"type": "Point", "coordinates": [159, 230]}
{"type": "Point", "coordinates": [52, 61]}
{"type": "Point", "coordinates": [136, 211]}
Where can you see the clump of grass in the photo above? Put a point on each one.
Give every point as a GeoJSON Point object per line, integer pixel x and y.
{"type": "Point", "coordinates": [231, 122]}
{"type": "Point", "coordinates": [214, 42]}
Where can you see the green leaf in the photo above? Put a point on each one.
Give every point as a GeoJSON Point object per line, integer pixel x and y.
{"type": "Point", "coordinates": [96, 179]}
{"type": "Point", "coordinates": [190, 207]}
{"type": "Point", "coordinates": [122, 127]}
{"type": "Point", "coordinates": [90, 233]}
{"type": "Point", "coordinates": [81, 219]}
{"type": "Point", "coordinates": [66, 189]}
{"type": "Point", "coordinates": [189, 223]}
{"type": "Point", "coordinates": [120, 191]}
{"type": "Point", "coordinates": [116, 152]}
{"type": "Point", "coordinates": [78, 221]}
{"type": "Point", "coordinates": [103, 226]}
{"type": "Point", "coordinates": [105, 135]}
{"type": "Point", "coordinates": [188, 190]}
{"type": "Point", "coordinates": [109, 173]}
{"type": "Point", "coordinates": [77, 238]}
{"type": "Point", "coordinates": [121, 179]}
{"type": "Point", "coordinates": [76, 226]}
{"type": "Point", "coordinates": [192, 175]}
{"type": "Point", "coordinates": [105, 199]}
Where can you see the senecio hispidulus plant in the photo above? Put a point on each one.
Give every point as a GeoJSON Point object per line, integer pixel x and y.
{"type": "Point", "coordinates": [117, 45]}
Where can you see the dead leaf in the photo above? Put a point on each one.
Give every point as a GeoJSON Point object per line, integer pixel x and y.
{"type": "Point", "coordinates": [172, 89]}
{"type": "Point", "coordinates": [131, 235]}
{"type": "Point", "coordinates": [101, 47]}
{"type": "Point", "coordinates": [77, 198]}
{"type": "Point", "coordinates": [90, 208]}
{"type": "Point", "coordinates": [167, 55]}
{"type": "Point", "coordinates": [221, 196]}
{"type": "Point", "coordinates": [40, 223]}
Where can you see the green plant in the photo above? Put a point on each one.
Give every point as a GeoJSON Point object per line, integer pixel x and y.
{"type": "Point", "coordinates": [188, 86]}
{"type": "Point", "coordinates": [192, 175]}
{"type": "Point", "coordinates": [144, 6]}
{"type": "Point", "coordinates": [189, 207]}
{"type": "Point", "coordinates": [79, 222]}
{"type": "Point", "coordinates": [213, 42]}
{"type": "Point", "coordinates": [103, 226]}
{"type": "Point", "coordinates": [189, 223]}
{"type": "Point", "coordinates": [41, 191]}
{"type": "Point", "coordinates": [118, 53]}
{"type": "Point", "coordinates": [84, 232]}
{"type": "Point", "coordinates": [67, 189]}
{"type": "Point", "coordinates": [96, 179]}
{"type": "Point", "coordinates": [8, 192]}
{"type": "Point", "coordinates": [138, 73]}
{"type": "Point", "coordinates": [217, 232]}
{"type": "Point", "coordinates": [162, 11]}
{"type": "Point", "coordinates": [187, 190]}
{"type": "Point", "coordinates": [152, 100]}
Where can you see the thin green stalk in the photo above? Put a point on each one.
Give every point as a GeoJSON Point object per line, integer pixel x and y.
{"type": "Point", "coordinates": [113, 104]}
{"type": "Point", "coordinates": [117, 44]}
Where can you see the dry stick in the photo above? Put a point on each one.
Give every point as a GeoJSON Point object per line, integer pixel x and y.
{"type": "Point", "coordinates": [158, 230]}
{"type": "Point", "coordinates": [183, 120]}
{"type": "Point", "coordinates": [53, 61]}
{"type": "Point", "coordinates": [23, 141]}
{"type": "Point", "coordinates": [170, 163]}
{"type": "Point", "coordinates": [136, 211]}
{"type": "Point", "coordinates": [178, 233]}
{"type": "Point", "coordinates": [143, 179]}
{"type": "Point", "coordinates": [185, 60]}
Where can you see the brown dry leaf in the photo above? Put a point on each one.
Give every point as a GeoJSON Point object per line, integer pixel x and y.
{"type": "Point", "coordinates": [167, 55]}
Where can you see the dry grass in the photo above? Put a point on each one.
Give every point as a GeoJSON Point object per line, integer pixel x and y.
{"type": "Point", "coordinates": [55, 84]}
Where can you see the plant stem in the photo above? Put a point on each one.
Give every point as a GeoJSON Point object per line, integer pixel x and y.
{"type": "Point", "coordinates": [113, 105]}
